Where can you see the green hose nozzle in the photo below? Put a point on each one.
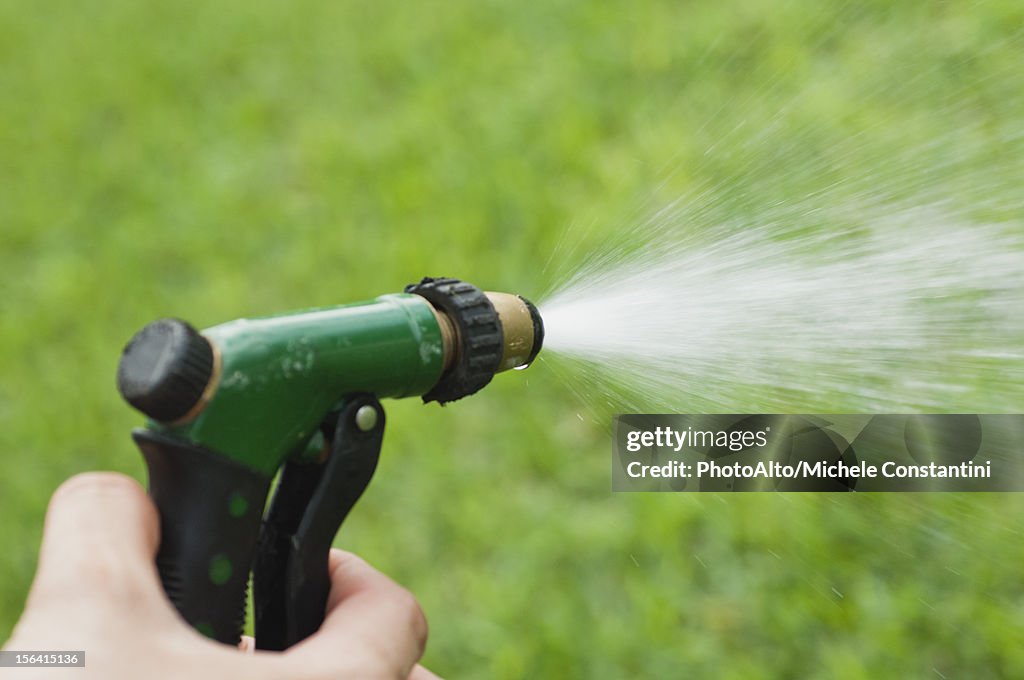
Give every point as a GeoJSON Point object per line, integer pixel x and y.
{"type": "Point", "coordinates": [257, 389]}
{"type": "Point", "coordinates": [232, 406]}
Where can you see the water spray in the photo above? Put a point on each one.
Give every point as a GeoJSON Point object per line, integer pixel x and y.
{"type": "Point", "coordinates": [901, 309]}
{"type": "Point", "coordinates": [296, 394]}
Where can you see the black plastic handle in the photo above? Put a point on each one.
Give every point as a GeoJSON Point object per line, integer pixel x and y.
{"type": "Point", "coordinates": [290, 579]}
{"type": "Point", "coordinates": [210, 510]}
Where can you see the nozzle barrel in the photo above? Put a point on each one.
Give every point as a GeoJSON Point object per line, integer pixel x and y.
{"type": "Point", "coordinates": [257, 389]}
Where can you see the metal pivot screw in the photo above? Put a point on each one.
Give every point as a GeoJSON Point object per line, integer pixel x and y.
{"type": "Point", "coordinates": [366, 418]}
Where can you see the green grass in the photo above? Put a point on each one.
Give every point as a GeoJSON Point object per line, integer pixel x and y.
{"type": "Point", "coordinates": [216, 160]}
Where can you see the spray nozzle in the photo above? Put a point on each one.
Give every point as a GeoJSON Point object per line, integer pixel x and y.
{"type": "Point", "coordinates": [483, 334]}
{"type": "Point", "coordinates": [294, 396]}
{"type": "Point", "coordinates": [257, 389]}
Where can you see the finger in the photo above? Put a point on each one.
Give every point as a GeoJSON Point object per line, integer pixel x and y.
{"type": "Point", "coordinates": [421, 673]}
{"type": "Point", "coordinates": [247, 644]}
{"type": "Point", "coordinates": [368, 612]}
{"type": "Point", "coordinates": [100, 537]}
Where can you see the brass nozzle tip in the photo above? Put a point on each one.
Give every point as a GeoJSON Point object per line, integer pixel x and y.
{"type": "Point", "coordinates": [482, 334]}
{"type": "Point", "coordinates": [522, 329]}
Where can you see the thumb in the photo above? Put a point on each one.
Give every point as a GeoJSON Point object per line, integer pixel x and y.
{"type": "Point", "coordinates": [100, 539]}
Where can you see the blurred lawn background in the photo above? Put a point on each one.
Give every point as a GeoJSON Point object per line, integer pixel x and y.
{"type": "Point", "coordinates": [218, 160]}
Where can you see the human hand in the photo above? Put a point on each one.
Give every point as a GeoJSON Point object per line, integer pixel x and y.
{"type": "Point", "coordinates": [96, 589]}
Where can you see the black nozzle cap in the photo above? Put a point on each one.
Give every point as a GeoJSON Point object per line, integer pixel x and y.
{"type": "Point", "coordinates": [479, 334]}
{"type": "Point", "coordinates": [165, 369]}
{"type": "Point", "coordinates": [538, 330]}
